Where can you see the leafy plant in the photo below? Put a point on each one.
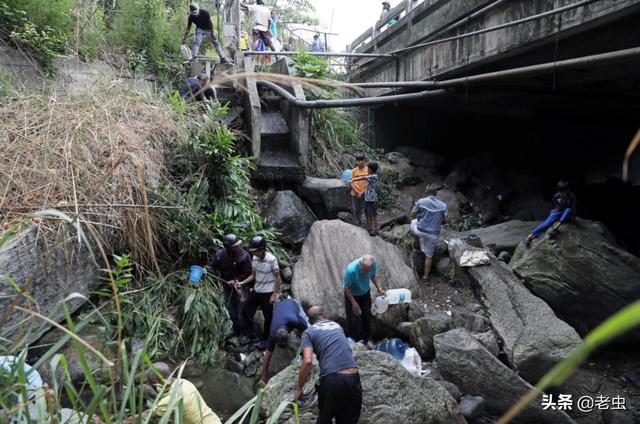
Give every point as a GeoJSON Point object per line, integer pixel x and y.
{"type": "Point", "coordinates": [309, 66]}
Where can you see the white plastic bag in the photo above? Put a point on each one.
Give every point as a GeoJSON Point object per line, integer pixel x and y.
{"type": "Point", "coordinates": [412, 362]}
{"type": "Point", "coordinates": [471, 258]}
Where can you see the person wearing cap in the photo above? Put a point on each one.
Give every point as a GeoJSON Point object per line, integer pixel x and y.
{"type": "Point", "coordinates": [358, 187]}
{"type": "Point", "coordinates": [430, 213]}
{"type": "Point", "coordinates": [386, 9]}
{"type": "Point", "coordinates": [339, 390]}
{"type": "Point", "coordinates": [288, 316]}
{"type": "Point", "coordinates": [233, 264]}
{"type": "Point", "coordinates": [201, 18]}
{"type": "Point", "coordinates": [261, 17]}
{"type": "Point", "coordinates": [266, 285]}
{"type": "Point", "coordinates": [317, 45]}
{"type": "Point", "coordinates": [564, 209]}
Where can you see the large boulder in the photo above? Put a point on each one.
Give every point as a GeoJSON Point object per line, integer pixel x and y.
{"type": "Point", "coordinates": [534, 339]}
{"type": "Point", "coordinates": [469, 365]}
{"type": "Point", "coordinates": [389, 393]}
{"type": "Point", "coordinates": [291, 217]}
{"type": "Point", "coordinates": [455, 202]}
{"type": "Point", "coordinates": [328, 249]}
{"type": "Point", "coordinates": [423, 330]}
{"type": "Point", "coordinates": [504, 236]}
{"type": "Point", "coordinates": [326, 196]}
{"type": "Point", "coordinates": [47, 270]}
{"type": "Point", "coordinates": [421, 158]}
{"type": "Point", "coordinates": [582, 274]}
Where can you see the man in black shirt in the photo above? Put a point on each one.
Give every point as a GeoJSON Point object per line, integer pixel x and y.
{"type": "Point", "coordinates": [204, 27]}
{"type": "Point", "coordinates": [196, 88]}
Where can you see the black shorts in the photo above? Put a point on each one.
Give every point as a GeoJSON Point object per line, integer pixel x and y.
{"type": "Point", "coordinates": [370, 209]}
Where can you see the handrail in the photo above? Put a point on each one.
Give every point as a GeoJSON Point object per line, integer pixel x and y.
{"type": "Point", "coordinates": [320, 54]}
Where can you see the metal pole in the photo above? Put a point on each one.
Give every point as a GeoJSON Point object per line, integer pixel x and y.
{"type": "Point", "coordinates": [497, 27]}
{"type": "Point", "coordinates": [441, 85]}
{"type": "Point", "coordinates": [337, 54]}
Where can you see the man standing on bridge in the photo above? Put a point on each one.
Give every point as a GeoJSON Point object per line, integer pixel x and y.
{"type": "Point", "coordinates": [204, 27]}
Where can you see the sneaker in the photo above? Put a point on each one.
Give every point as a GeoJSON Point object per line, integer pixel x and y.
{"type": "Point", "coordinates": [426, 280]}
{"type": "Point", "coordinates": [527, 242]}
{"type": "Point", "coordinates": [372, 233]}
{"type": "Point", "coordinates": [307, 400]}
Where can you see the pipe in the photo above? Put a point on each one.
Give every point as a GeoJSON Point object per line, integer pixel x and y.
{"type": "Point", "coordinates": [366, 101]}
{"type": "Point", "coordinates": [497, 27]}
{"type": "Point", "coordinates": [322, 54]}
{"type": "Point", "coordinates": [441, 85]}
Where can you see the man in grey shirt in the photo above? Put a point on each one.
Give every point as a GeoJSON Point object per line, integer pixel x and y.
{"type": "Point", "coordinates": [430, 213]}
{"type": "Point", "coordinates": [340, 391]}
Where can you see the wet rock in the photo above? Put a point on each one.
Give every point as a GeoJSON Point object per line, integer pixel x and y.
{"type": "Point", "coordinates": [582, 274]}
{"type": "Point", "coordinates": [291, 217]}
{"type": "Point", "coordinates": [466, 363]}
{"type": "Point", "coordinates": [534, 339]}
{"type": "Point", "coordinates": [505, 236]}
{"type": "Point", "coordinates": [472, 407]}
{"type": "Point", "coordinates": [471, 321]}
{"type": "Point", "coordinates": [424, 329]}
{"type": "Point", "coordinates": [326, 197]}
{"type": "Point", "coordinates": [328, 249]}
{"type": "Point", "coordinates": [390, 393]}
{"type": "Point", "coordinates": [453, 390]}
{"type": "Point", "coordinates": [422, 158]}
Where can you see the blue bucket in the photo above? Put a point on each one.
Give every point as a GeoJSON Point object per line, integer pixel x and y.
{"type": "Point", "coordinates": [346, 176]}
{"type": "Point", "coordinates": [196, 274]}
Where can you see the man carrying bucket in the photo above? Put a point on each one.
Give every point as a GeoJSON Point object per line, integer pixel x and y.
{"type": "Point", "coordinates": [233, 264]}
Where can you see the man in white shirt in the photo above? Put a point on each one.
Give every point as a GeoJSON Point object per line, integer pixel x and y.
{"type": "Point", "coordinates": [261, 16]}
{"type": "Point", "coordinates": [266, 287]}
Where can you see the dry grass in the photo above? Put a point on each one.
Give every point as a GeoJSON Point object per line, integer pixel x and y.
{"type": "Point", "coordinates": [92, 156]}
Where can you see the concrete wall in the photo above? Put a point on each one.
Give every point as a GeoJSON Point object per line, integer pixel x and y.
{"type": "Point", "coordinates": [451, 57]}
{"type": "Point", "coordinates": [252, 107]}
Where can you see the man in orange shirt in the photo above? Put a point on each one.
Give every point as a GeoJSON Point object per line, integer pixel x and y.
{"type": "Point", "coordinates": [358, 187]}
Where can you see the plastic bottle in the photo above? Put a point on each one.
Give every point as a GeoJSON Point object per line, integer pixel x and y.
{"type": "Point", "coordinates": [395, 296]}
{"type": "Point", "coordinates": [196, 274]}
{"type": "Point", "coordinates": [380, 305]}
{"type": "Point", "coordinates": [394, 347]}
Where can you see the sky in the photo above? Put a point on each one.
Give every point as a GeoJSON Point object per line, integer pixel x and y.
{"type": "Point", "coordinates": [350, 19]}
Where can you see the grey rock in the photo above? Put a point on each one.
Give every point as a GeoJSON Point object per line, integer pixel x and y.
{"type": "Point", "coordinates": [457, 179]}
{"type": "Point", "coordinates": [489, 341]}
{"type": "Point", "coordinates": [346, 217]}
{"type": "Point", "coordinates": [291, 217]}
{"type": "Point", "coordinates": [472, 407]}
{"type": "Point", "coordinates": [328, 249]}
{"type": "Point", "coordinates": [618, 417]}
{"type": "Point", "coordinates": [404, 329]}
{"type": "Point", "coordinates": [458, 353]}
{"type": "Point", "coordinates": [431, 370]}
{"type": "Point", "coordinates": [474, 307]}
{"type": "Point", "coordinates": [422, 158]}
{"type": "Point", "coordinates": [455, 203]}
{"type": "Point", "coordinates": [415, 311]}
{"type": "Point", "coordinates": [471, 321]}
{"type": "Point", "coordinates": [389, 392]}
{"type": "Point", "coordinates": [396, 157]}
{"type": "Point", "coordinates": [453, 390]}
{"type": "Point", "coordinates": [534, 339]}
{"type": "Point", "coordinates": [425, 328]}
{"type": "Point", "coordinates": [444, 267]}
{"type": "Point", "coordinates": [47, 270]}
{"type": "Point", "coordinates": [505, 236]}
{"type": "Point", "coordinates": [386, 325]}
{"type": "Point", "coordinates": [326, 196]}
{"type": "Point", "coordinates": [233, 366]}
{"type": "Point", "coordinates": [582, 274]}
{"type": "Point", "coordinates": [504, 256]}
{"type": "Point", "coordinates": [398, 234]}
{"type": "Point", "coordinates": [287, 273]}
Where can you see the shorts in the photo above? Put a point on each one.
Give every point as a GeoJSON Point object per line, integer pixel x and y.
{"type": "Point", "coordinates": [370, 209]}
{"type": "Point", "coordinates": [428, 241]}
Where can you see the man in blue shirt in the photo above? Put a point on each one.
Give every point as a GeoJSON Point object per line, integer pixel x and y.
{"type": "Point", "coordinates": [564, 209]}
{"type": "Point", "coordinates": [357, 297]}
{"type": "Point", "coordinates": [317, 45]}
{"type": "Point", "coordinates": [340, 391]}
{"type": "Point", "coordinates": [288, 315]}
{"type": "Point", "coordinates": [430, 213]}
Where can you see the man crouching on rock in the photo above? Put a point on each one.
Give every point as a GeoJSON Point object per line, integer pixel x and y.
{"type": "Point", "coordinates": [340, 391]}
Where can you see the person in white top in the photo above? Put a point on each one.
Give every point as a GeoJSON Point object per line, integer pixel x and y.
{"type": "Point", "coordinates": [266, 287]}
{"type": "Point", "coordinates": [261, 16]}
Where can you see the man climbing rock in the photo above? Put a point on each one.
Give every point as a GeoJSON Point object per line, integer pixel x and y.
{"type": "Point", "coordinates": [340, 391]}
{"type": "Point", "coordinates": [430, 213]}
{"type": "Point", "coordinates": [233, 264]}
{"type": "Point", "coordinates": [266, 287]}
{"type": "Point", "coordinates": [358, 186]}
{"type": "Point", "coordinates": [564, 209]}
{"type": "Point", "coordinates": [288, 315]}
{"type": "Point", "coordinates": [204, 27]}
{"type": "Point", "coordinates": [357, 297]}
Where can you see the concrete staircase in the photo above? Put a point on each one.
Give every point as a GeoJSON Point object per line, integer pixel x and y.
{"type": "Point", "coordinates": [278, 160]}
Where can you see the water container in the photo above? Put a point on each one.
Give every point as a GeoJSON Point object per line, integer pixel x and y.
{"type": "Point", "coordinates": [394, 347]}
{"type": "Point", "coordinates": [380, 305]}
{"type": "Point", "coordinates": [395, 296]}
{"type": "Point", "coordinates": [196, 274]}
{"type": "Point", "coordinates": [412, 362]}
{"type": "Point", "coordinates": [346, 176]}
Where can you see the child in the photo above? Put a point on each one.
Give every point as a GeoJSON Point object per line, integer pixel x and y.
{"type": "Point", "coordinates": [564, 209]}
{"type": "Point", "coordinates": [371, 198]}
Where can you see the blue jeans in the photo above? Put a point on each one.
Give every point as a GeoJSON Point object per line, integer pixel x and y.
{"type": "Point", "coordinates": [554, 216]}
{"type": "Point", "coordinates": [201, 33]}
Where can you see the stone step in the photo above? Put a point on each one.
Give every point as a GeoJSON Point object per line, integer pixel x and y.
{"type": "Point", "coordinates": [279, 165]}
{"type": "Point", "coordinates": [270, 103]}
{"type": "Point", "coordinates": [273, 123]}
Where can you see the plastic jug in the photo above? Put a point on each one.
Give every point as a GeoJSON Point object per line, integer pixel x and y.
{"type": "Point", "coordinates": [196, 274]}
{"type": "Point", "coordinates": [380, 305]}
{"type": "Point", "coordinates": [394, 347]}
{"type": "Point", "coordinates": [395, 296]}
{"type": "Point", "coordinates": [412, 362]}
